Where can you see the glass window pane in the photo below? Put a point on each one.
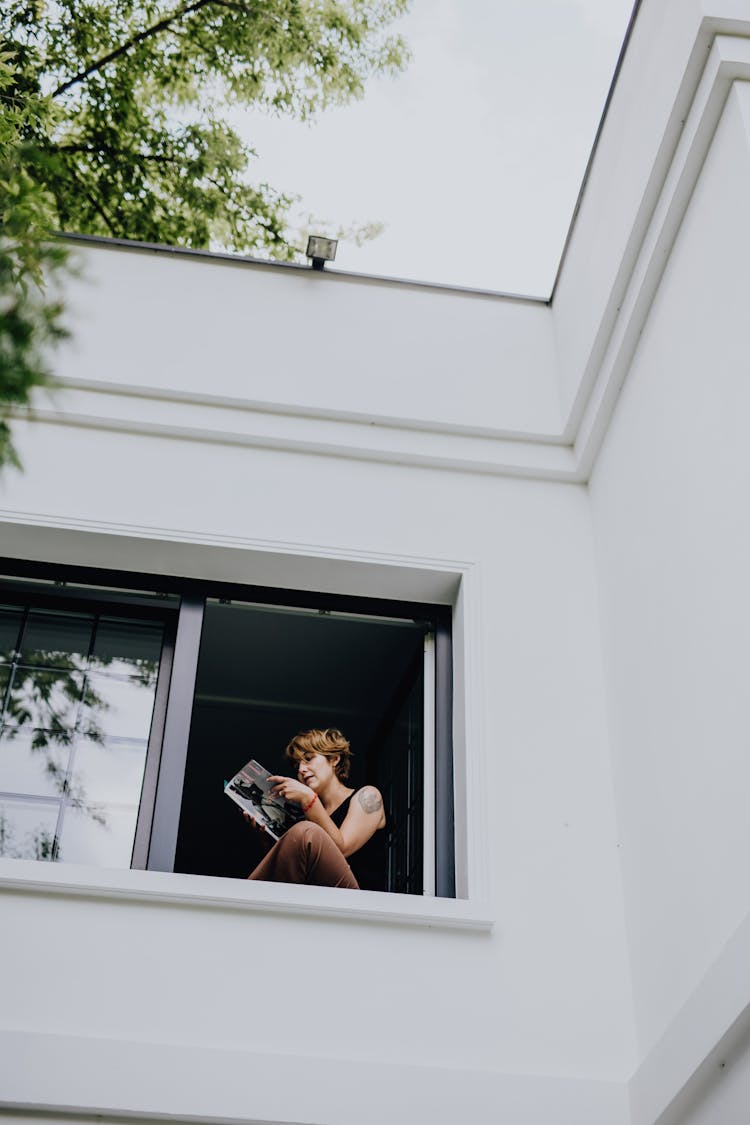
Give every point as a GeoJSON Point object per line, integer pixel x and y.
{"type": "Point", "coordinates": [27, 829]}
{"type": "Point", "coordinates": [115, 707]}
{"type": "Point", "coordinates": [56, 639]}
{"type": "Point", "coordinates": [39, 698]}
{"type": "Point", "coordinates": [10, 626]}
{"type": "Point", "coordinates": [109, 773]}
{"type": "Point", "coordinates": [76, 701]}
{"type": "Point", "coordinates": [33, 761]}
{"type": "Point", "coordinates": [126, 647]}
{"type": "Point", "coordinates": [101, 837]}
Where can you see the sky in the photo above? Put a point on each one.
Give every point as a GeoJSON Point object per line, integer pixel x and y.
{"type": "Point", "coordinates": [473, 157]}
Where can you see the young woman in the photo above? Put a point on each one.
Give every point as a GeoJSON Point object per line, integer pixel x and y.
{"type": "Point", "coordinates": [340, 842]}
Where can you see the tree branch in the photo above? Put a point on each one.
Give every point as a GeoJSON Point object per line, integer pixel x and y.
{"type": "Point", "coordinates": [107, 150]}
{"type": "Point", "coordinates": [98, 207]}
{"type": "Point", "coordinates": [147, 33]}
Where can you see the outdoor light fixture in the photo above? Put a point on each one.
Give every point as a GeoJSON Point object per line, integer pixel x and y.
{"type": "Point", "coordinates": [321, 250]}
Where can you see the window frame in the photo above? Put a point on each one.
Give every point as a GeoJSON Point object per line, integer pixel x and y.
{"type": "Point", "coordinates": [53, 595]}
{"type": "Point", "coordinates": [161, 799]}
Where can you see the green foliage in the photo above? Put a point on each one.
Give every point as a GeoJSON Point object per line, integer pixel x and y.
{"type": "Point", "coordinates": [139, 147]}
{"type": "Point", "coordinates": [112, 123]}
{"type": "Point", "coordinates": [29, 318]}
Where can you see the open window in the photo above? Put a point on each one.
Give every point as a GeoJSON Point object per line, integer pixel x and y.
{"type": "Point", "coordinates": [125, 710]}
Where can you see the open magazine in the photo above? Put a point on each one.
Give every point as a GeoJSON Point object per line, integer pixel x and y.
{"type": "Point", "coordinates": [251, 790]}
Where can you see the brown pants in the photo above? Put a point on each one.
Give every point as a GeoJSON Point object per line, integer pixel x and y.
{"type": "Point", "coordinates": [306, 854]}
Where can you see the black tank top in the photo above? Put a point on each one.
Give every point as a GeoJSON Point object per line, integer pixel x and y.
{"type": "Point", "coordinates": [369, 863]}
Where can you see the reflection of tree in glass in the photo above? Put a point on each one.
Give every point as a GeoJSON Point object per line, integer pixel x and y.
{"type": "Point", "coordinates": [7, 835]}
{"type": "Point", "coordinates": [37, 844]}
{"type": "Point", "coordinates": [52, 697]}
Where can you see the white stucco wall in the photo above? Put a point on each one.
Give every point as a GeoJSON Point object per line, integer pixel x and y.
{"type": "Point", "coordinates": [418, 1014]}
{"type": "Point", "coordinates": [546, 992]}
{"type": "Point", "coordinates": [301, 340]}
{"type": "Point", "coordinates": [573, 479]}
{"type": "Point", "coordinates": [669, 500]}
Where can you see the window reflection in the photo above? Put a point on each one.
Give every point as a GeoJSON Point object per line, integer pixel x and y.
{"type": "Point", "coordinates": [46, 700]}
{"type": "Point", "coordinates": [106, 840]}
{"type": "Point", "coordinates": [115, 707]}
{"type": "Point", "coordinates": [124, 647]}
{"type": "Point", "coordinates": [27, 829]}
{"type": "Point", "coordinates": [57, 640]}
{"type": "Point", "coordinates": [10, 627]}
{"type": "Point", "coordinates": [24, 770]}
{"type": "Point", "coordinates": [77, 697]}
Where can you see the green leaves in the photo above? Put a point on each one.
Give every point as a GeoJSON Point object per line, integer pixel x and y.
{"type": "Point", "coordinates": [122, 104]}
{"type": "Point", "coordinates": [112, 124]}
{"type": "Point", "coordinates": [30, 320]}
{"type": "Point", "coordinates": [137, 147]}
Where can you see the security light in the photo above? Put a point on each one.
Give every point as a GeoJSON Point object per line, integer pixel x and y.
{"type": "Point", "coordinates": [321, 250]}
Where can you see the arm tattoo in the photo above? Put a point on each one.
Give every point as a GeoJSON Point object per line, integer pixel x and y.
{"type": "Point", "coordinates": [370, 799]}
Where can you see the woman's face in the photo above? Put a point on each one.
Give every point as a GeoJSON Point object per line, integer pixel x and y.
{"type": "Point", "coordinates": [315, 770]}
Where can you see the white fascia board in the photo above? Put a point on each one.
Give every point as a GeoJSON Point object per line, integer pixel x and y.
{"type": "Point", "coordinates": [597, 353]}
{"type": "Point", "coordinates": [728, 61]}
{"type": "Point", "coordinates": [659, 73]}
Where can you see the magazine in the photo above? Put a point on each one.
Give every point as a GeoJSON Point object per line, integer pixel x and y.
{"type": "Point", "coordinates": [251, 790]}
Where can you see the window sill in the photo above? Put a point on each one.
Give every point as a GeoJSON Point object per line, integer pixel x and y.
{"type": "Point", "coordinates": [203, 892]}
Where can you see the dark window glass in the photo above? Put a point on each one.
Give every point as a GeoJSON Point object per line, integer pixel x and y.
{"type": "Point", "coordinates": [57, 639]}
{"type": "Point", "coordinates": [122, 646]}
{"type": "Point", "coordinates": [10, 627]}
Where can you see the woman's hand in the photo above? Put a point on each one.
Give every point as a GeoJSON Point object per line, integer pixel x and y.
{"type": "Point", "coordinates": [265, 841]}
{"type": "Point", "coordinates": [289, 789]}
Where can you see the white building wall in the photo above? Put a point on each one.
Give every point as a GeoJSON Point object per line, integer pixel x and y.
{"type": "Point", "coordinates": [669, 496]}
{"type": "Point", "coordinates": [669, 500]}
{"type": "Point", "coordinates": [533, 1013]}
{"type": "Point", "coordinates": [249, 424]}
{"type": "Point", "coordinates": [545, 993]}
{"type": "Point", "coordinates": [306, 342]}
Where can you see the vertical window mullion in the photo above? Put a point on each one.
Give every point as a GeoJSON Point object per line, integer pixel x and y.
{"type": "Point", "coordinates": [179, 709]}
{"type": "Point", "coordinates": [428, 774]}
{"type": "Point", "coordinates": [445, 851]}
{"type": "Point", "coordinates": [142, 838]}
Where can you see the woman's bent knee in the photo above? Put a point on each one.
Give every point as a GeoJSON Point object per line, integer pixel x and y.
{"type": "Point", "coordinates": [304, 830]}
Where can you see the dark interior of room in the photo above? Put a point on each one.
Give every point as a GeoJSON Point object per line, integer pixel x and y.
{"type": "Point", "coordinates": [267, 672]}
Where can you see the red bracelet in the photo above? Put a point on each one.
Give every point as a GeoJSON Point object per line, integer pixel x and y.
{"type": "Point", "coordinates": [306, 808]}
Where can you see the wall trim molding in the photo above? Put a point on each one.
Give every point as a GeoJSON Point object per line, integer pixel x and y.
{"type": "Point", "coordinates": [322, 433]}
{"type": "Point", "coordinates": [454, 568]}
{"type": "Point", "coordinates": [167, 889]}
{"type": "Point", "coordinates": [727, 61]}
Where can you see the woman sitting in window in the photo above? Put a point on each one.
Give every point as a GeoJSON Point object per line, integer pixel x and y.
{"type": "Point", "coordinates": [340, 842]}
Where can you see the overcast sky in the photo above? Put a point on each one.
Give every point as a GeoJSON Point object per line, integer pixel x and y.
{"type": "Point", "coordinates": [473, 157]}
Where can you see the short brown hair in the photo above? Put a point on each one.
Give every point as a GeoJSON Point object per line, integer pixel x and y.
{"type": "Point", "coordinates": [330, 743]}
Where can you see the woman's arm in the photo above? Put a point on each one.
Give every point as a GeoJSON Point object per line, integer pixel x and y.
{"type": "Point", "coordinates": [300, 794]}
{"type": "Point", "coordinates": [364, 818]}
